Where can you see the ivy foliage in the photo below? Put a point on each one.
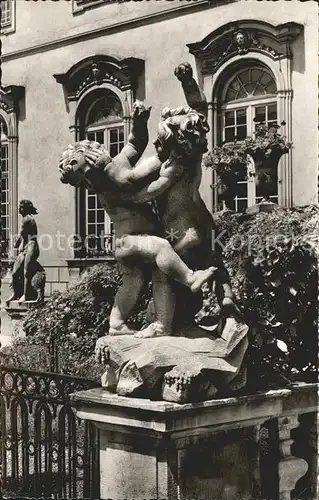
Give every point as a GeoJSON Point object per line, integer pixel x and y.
{"type": "Point", "coordinates": [230, 159]}
{"type": "Point", "coordinates": [272, 259]}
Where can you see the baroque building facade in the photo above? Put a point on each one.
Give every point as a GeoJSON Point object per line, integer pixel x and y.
{"type": "Point", "coordinates": [71, 69]}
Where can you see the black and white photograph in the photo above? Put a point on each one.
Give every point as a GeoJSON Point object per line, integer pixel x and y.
{"type": "Point", "coordinates": [159, 249]}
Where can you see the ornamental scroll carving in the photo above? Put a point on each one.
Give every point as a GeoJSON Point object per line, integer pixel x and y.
{"type": "Point", "coordinates": [97, 70]}
{"type": "Point", "coordinates": [244, 37]}
{"type": "Point", "coordinates": [10, 97]}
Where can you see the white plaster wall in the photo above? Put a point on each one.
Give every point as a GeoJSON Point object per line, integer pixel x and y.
{"type": "Point", "coordinates": [43, 132]}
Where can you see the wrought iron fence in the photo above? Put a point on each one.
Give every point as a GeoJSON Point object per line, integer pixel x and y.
{"type": "Point", "coordinates": [46, 451]}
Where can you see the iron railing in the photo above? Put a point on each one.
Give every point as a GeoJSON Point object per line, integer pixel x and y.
{"type": "Point", "coordinates": [46, 451]}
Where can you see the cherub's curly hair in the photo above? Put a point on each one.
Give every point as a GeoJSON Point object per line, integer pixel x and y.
{"type": "Point", "coordinates": [28, 207]}
{"type": "Point", "coordinates": [180, 127]}
{"type": "Point", "coordinates": [96, 156]}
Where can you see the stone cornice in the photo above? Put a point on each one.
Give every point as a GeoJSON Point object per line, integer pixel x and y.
{"type": "Point", "coordinates": [99, 69]}
{"type": "Point", "coordinates": [245, 37]}
{"type": "Point", "coordinates": [178, 10]}
{"type": "Point", "coordinates": [162, 417]}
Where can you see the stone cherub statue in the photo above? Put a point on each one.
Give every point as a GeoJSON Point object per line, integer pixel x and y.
{"type": "Point", "coordinates": [137, 232]}
{"type": "Point", "coordinates": [173, 367]}
{"type": "Point", "coordinates": [28, 276]}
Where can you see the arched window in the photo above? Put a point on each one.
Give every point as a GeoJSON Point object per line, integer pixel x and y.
{"type": "Point", "coordinates": [7, 16]}
{"type": "Point", "coordinates": [100, 91]}
{"type": "Point", "coordinates": [246, 70]}
{"type": "Point", "coordinates": [248, 97]}
{"type": "Point", "coordinates": [103, 122]}
{"type": "Point", "coordinates": [4, 189]}
{"type": "Point", "coordinates": [10, 98]}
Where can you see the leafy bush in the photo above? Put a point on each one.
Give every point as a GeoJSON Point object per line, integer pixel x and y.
{"type": "Point", "coordinates": [27, 354]}
{"type": "Point", "coordinates": [72, 320]}
{"type": "Point", "coordinates": [272, 260]}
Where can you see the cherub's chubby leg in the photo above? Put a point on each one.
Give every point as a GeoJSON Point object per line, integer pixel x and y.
{"type": "Point", "coordinates": [127, 296]}
{"type": "Point", "coordinates": [164, 302]}
{"type": "Point", "coordinates": [159, 251]}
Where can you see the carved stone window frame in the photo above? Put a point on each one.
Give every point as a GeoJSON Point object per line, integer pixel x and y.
{"type": "Point", "coordinates": [9, 110]}
{"type": "Point", "coordinates": [251, 41]}
{"type": "Point", "coordinates": [82, 81]}
{"type": "Point", "coordinates": [10, 27]}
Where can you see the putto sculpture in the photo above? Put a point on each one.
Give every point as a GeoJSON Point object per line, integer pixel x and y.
{"type": "Point", "coordinates": [28, 276]}
{"type": "Point", "coordinates": [168, 358]}
{"type": "Point", "coordinates": [136, 230]}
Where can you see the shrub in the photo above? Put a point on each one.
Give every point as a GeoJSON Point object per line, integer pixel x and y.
{"type": "Point", "coordinates": [272, 260]}
{"type": "Point", "coordinates": [72, 320]}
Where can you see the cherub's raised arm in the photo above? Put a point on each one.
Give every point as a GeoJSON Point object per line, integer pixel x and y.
{"type": "Point", "coordinates": [138, 138]}
{"type": "Point", "coordinates": [120, 170]}
{"type": "Point", "coordinates": [87, 163]}
{"type": "Point", "coordinates": [194, 96]}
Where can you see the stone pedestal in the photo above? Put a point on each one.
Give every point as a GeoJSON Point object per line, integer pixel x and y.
{"type": "Point", "coordinates": [16, 313]}
{"type": "Point", "coordinates": [211, 450]}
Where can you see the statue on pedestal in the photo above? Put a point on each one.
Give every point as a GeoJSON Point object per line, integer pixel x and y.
{"type": "Point", "coordinates": [28, 276]}
{"type": "Point", "coordinates": [154, 359]}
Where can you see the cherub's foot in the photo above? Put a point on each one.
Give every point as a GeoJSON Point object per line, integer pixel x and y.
{"type": "Point", "coordinates": [22, 299]}
{"type": "Point", "coordinates": [200, 277]}
{"type": "Point", "coordinates": [155, 329]}
{"type": "Point", "coordinates": [40, 298]}
{"type": "Point", "coordinates": [122, 329]}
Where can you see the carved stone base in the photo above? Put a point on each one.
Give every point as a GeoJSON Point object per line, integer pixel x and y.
{"type": "Point", "coordinates": [193, 366]}
{"type": "Point", "coordinates": [157, 449]}
{"type": "Point", "coordinates": [16, 312]}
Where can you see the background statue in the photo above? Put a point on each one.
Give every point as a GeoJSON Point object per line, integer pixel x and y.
{"type": "Point", "coordinates": [28, 276]}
